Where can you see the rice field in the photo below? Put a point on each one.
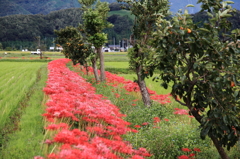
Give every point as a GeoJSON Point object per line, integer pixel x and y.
{"type": "Point", "coordinates": [15, 80]}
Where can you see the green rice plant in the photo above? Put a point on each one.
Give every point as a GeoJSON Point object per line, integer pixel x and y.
{"type": "Point", "coordinates": [16, 79]}
{"type": "Point", "coordinates": [26, 141]}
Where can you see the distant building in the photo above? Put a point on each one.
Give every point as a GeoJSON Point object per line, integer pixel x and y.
{"type": "Point", "coordinates": [58, 48]}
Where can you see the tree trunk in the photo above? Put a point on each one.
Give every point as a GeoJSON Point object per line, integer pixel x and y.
{"type": "Point", "coordinates": [221, 151]}
{"type": "Point", "coordinates": [217, 144]}
{"type": "Point", "coordinates": [95, 70]}
{"type": "Point", "coordinates": [102, 68]}
{"type": "Point", "coordinates": [86, 67]}
{"type": "Point", "coordinates": [40, 55]}
{"type": "Point", "coordinates": [143, 88]}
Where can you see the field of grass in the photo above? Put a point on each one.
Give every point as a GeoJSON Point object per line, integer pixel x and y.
{"type": "Point", "coordinates": [18, 84]}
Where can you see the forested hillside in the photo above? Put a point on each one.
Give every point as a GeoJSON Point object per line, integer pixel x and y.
{"type": "Point", "coordinates": [22, 31]}
{"type": "Point", "coordinates": [10, 7]}
{"type": "Point", "coordinates": [23, 28]}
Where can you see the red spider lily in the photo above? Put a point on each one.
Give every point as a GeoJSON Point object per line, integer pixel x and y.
{"type": "Point", "coordinates": [74, 99]}
{"type": "Point", "coordinates": [57, 126]}
{"type": "Point", "coordinates": [134, 131]}
{"type": "Point", "coordinates": [145, 123]}
{"type": "Point", "coordinates": [137, 157]}
{"type": "Point", "coordinates": [137, 126]}
{"type": "Point", "coordinates": [156, 120]}
{"type": "Point", "coordinates": [197, 150]}
{"type": "Point", "coordinates": [36, 157]}
{"type": "Point", "coordinates": [117, 95]}
{"type": "Point", "coordinates": [186, 149]}
{"type": "Point", "coordinates": [114, 80]}
{"type": "Point", "coordinates": [135, 100]}
{"type": "Point", "coordinates": [49, 142]}
{"type": "Point", "coordinates": [163, 99]}
{"type": "Point", "coordinates": [183, 157]}
{"type": "Point", "coordinates": [166, 119]}
{"type": "Point", "coordinates": [181, 111]}
{"type": "Point", "coordinates": [191, 155]}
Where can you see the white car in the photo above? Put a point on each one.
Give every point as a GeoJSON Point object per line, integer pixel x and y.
{"type": "Point", "coordinates": [36, 52]}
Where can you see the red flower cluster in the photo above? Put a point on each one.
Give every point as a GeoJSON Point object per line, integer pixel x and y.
{"type": "Point", "coordinates": [115, 80]}
{"type": "Point", "coordinates": [191, 155]}
{"type": "Point", "coordinates": [181, 111]}
{"type": "Point", "coordinates": [156, 120]}
{"type": "Point", "coordinates": [73, 100]}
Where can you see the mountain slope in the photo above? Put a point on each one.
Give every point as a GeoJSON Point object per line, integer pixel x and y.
{"type": "Point", "coordinates": [10, 7]}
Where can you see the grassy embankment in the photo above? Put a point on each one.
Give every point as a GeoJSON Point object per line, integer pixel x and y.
{"type": "Point", "coordinates": [163, 139]}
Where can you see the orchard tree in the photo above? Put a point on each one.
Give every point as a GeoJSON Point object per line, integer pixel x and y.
{"type": "Point", "coordinates": [95, 21]}
{"type": "Point", "coordinates": [73, 43]}
{"type": "Point", "coordinates": [201, 65]}
{"type": "Point", "coordinates": [146, 13]}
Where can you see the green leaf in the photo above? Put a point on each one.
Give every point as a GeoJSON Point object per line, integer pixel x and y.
{"type": "Point", "coordinates": [203, 29]}
{"type": "Point", "coordinates": [183, 78]}
{"type": "Point", "coordinates": [224, 12]}
{"type": "Point", "coordinates": [218, 79]}
{"type": "Point", "coordinates": [209, 14]}
{"type": "Point", "coordinates": [164, 85]}
{"type": "Point", "coordinates": [188, 42]}
{"type": "Point", "coordinates": [209, 66]}
{"type": "Point", "coordinates": [190, 5]}
{"type": "Point", "coordinates": [224, 4]}
{"type": "Point", "coordinates": [204, 132]}
{"type": "Point", "coordinates": [236, 31]}
{"type": "Point", "coordinates": [226, 15]}
{"type": "Point", "coordinates": [236, 93]}
{"type": "Point", "coordinates": [225, 119]}
{"type": "Point", "coordinates": [229, 2]}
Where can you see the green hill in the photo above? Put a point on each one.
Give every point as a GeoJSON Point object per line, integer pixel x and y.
{"type": "Point", "coordinates": [122, 13]}
{"type": "Point", "coordinates": [10, 7]}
